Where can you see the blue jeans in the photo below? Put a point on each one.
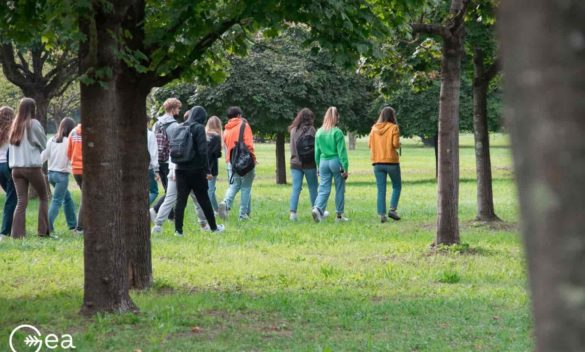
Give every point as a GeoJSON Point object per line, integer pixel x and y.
{"type": "Point", "coordinates": [330, 170]}
{"type": "Point", "coordinates": [382, 172]}
{"type": "Point", "coordinates": [297, 186]}
{"type": "Point", "coordinates": [152, 186]}
{"type": "Point", "coordinates": [211, 192]}
{"type": "Point", "coordinates": [61, 196]}
{"type": "Point", "coordinates": [11, 199]}
{"type": "Point", "coordinates": [243, 183]}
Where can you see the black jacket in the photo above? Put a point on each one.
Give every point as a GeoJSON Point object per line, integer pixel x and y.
{"type": "Point", "coordinates": [213, 152]}
{"type": "Point", "coordinates": [196, 119]}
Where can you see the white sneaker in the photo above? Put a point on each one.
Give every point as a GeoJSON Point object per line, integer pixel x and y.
{"type": "Point", "coordinates": [220, 229]}
{"type": "Point", "coordinates": [325, 214]}
{"type": "Point", "coordinates": [156, 229]}
{"type": "Point", "coordinates": [316, 215]}
{"type": "Point", "coordinates": [222, 210]}
{"type": "Point", "coordinates": [293, 216]}
{"type": "Point", "coordinates": [383, 218]}
{"type": "Point", "coordinates": [178, 234]}
{"type": "Point", "coordinates": [152, 215]}
{"type": "Point", "coordinates": [341, 218]}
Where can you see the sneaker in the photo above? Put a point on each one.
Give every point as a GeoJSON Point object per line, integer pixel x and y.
{"type": "Point", "coordinates": [383, 219]}
{"type": "Point", "coordinates": [317, 215]}
{"type": "Point", "coordinates": [152, 215]}
{"type": "Point", "coordinates": [78, 231]}
{"type": "Point", "coordinates": [293, 216]}
{"type": "Point", "coordinates": [341, 218]}
{"type": "Point", "coordinates": [244, 217]}
{"type": "Point", "coordinates": [394, 215]}
{"type": "Point", "coordinates": [325, 214]}
{"type": "Point", "coordinates": [156, 229]}
{"type": "Point", "coordinates": [205, 227]}
{"type": "Point", "coordinates": [222, 210]}
{"type": "Point", "coordinates": [220, 228]}
{"type": "Point", "coordinates": [178, 234]}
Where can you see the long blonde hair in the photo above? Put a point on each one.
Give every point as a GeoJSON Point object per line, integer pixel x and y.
{"type": "Point", "coordinates": [331, 118]}
{"type": "Point", "coordinates": [26, 111]}
{"type": "Point", "coordinates": [6, 116]}
{"type": "Point", "coordinates": [214, 126]}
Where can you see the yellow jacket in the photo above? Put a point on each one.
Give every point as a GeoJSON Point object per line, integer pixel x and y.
{"type": "Point", "coordinates": [383, 143]}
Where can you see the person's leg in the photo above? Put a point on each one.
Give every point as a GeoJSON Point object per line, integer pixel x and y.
{"type": "Point", "coordinates": [10, 201]}
{"type": "Point", "coordinates": [163, 172]}
{"type": "Point", "coordinates": [170, 199]}
{"type": "Point", "coordinates": [246, 198]}
{"type": "Point", "coordinates": [152, 187]}
{"type": "Point", "coordinates": [233, 189]}
{"type": "Point", "coordinates": [312, 184]}
{"type": "Point", "coordinates": [183, 190]}
{"type": "Point", "coordinates": [199, 187]}
{"type": "Point", "coordinates": [19, 218]}
{"type": "Point", "coordinates": [79, 181]}
{"type": "Point", "coordinates": [297, 187]}
{"type": "Point", "coordinates": [69, 208]}
{"type": "Point", "coordinates": [198, 210]}
{"type": "Point", "coordinates": [37, 181]}
{"type": "Point", "coordinates": [59, 183]}
{"type": "Point", "coordinates": [335, 167]}
{"type": "Point", "coordinates": [380, 174]}
{"type": "Point", "coordinates": [211, 192]}
{"type": "Point", "coordinates": [394, 171]}
{"type": "Point", "coordinates": [324, 186]}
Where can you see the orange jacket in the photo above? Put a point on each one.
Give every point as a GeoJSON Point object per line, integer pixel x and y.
{"type": "Point", "coordinates": [74, 151]}
{"type": "Point", "coordinates": [384, 140]}
{"type": "Point", "coordinates": [232, 133]}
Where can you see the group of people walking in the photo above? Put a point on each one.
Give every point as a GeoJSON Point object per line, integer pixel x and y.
{"type": "Point", "coordinates": [184, 157]}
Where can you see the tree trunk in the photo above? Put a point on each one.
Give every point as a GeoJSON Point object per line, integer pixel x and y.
{"type": "Point", "coordinates": [436, 148]}
{"type": "Point", "coordinates": [448, 170]}
{"type": "Point", "coordinates": [483, 166]}
{"type": "Point", "coordinates": [543, 46]}
{"type": "Point", "coordinates": [280, 160]}
{"type": "Point", "coordinates": [105, 258]}
{"type": "Point", "coordinates": [352, 138]}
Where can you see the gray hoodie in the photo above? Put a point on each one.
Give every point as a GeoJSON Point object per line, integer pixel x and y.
{"type": "Point", "coordinates": [28, 153]}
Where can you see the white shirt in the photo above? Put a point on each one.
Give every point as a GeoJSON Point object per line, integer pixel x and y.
{"type": "Point", "coordinates": [56, 154]}
{"type": "Point", "coordinates": [152, 150]}
{"type": "Point", "coordinates": [3, 152]}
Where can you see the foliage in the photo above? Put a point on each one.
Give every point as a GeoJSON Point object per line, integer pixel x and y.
{"type": "Point", "coordinates": [9, 93]}
{"type": "Point", "coordinates": [180, 90]}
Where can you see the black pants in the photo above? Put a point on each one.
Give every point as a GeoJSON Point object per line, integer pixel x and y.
{"type": "Point", "coordinates": [196, 181]}
{"type": "Point", "coordinates": [163, 171]}
{"type": "Point", "coordinates": [79, 181]}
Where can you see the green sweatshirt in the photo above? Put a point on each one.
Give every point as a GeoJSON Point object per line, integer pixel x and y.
{"type": "Point", "coordinates": [330, 145]}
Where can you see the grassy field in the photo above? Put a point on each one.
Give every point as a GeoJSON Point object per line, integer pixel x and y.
{"type": "Point", "coordinates": [270, 284]}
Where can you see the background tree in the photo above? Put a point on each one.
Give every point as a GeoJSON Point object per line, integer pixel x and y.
{"type": "Point", "coordinates": [544, 66]}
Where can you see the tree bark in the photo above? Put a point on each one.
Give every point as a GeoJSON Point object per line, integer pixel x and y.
{"type": "Point", "coordinates": [436, 148]}
{"type": "Point", "coordinates": [352, 139]}
{"type": "Point", "coordinates": [483, 166]}
{"type": "Point", "coordinates": [543, 47]}
{"type": "Point", "coordinates": [105, 258]}
{"type": "Point", "coordinates": [280, 159]}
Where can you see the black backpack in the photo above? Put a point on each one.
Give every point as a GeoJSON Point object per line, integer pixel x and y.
{"type": "Point", "coordinates": [240, 156]}
{"type": "Point", "coordinates": [306, 147]}
{"type": "Point", "coordinates": [181, 144]}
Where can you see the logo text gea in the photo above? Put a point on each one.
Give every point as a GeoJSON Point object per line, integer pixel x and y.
{"type": "Point", "coordinates": [34, 340]}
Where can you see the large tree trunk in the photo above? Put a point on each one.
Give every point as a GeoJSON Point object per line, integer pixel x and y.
{"type": "Point", "coordinates": [105, 258]}
{"type": "Point", "coordinates": [352, 138]}
{"type": "Point", "coordinates": [448, 171]}
{"type": "Point", "coordinates": [543, 46]}
{"type": "Point", "coordinates": [483, 166]}
{"type": "Point", "coordinates": [280, 160]}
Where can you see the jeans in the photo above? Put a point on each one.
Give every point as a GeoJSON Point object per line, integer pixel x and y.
{"type": "Point", "coordinates": [330, 170]}
{"type": "Point", "coordinates": [196, 181]}
{"type": "Point", "coordinates": [152, 186]}
{"type": "Point", "coordinates": [211, 192]}
{"type": "Point", "coordinates": [297, 186]}
{"type": "Point", "coordinates": [170, 199]}
{"type": "Point", "coordinates": [61, 196]}
{"type": "Point", "coordinates": [11, 199]}
{"type": "Point", "coordinates": [79, 181]}
{"type": "Point", "coordinates": [382, 172]}
{"type": "Point", "coordinates": [243, 183]}
{"type": "Point", "coordinates": [23, 177]}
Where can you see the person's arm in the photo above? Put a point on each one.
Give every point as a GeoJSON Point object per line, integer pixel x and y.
{"type": "Point", "coordinates": [70, 146]}
{"type": "Point", "coordinates": [341, 150]}
{"type": "Point", "coordinates": [45, 153]}
{"type": "Point", "coordinates": [317, 151]}
{"type": "Point", "coordinates": [396, 137]}
{"type": "Point", "coordinates": [152, 150]}
{"type": "Point", "coordinates": [200, 139]}
{"type": "Point", "coordinates": [39, 138]}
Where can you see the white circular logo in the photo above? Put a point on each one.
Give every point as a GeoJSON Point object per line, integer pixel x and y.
{"type": "Point", "coordinates": [30, 340]}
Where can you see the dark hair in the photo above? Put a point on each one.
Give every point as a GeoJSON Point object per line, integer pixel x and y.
{"type": "Point", "coordinates": [305, 117]}
{"type": "Point", "coordinates": [234, 111]}
{"type": "Point", "coordinates": [387, 115]}
{"type": "Point", "coordinates": [6, 117]}
{"type": "Point", "coordinates": [26, 111]}
{"type": "Point", "coordinates": [65, 127]}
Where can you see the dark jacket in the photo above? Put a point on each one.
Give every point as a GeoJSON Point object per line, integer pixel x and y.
{"type": "Point", "coordinates": [213, 152]}
{"type": "Point", "coordinates": [295, 134]}
{"type": "Point", "coordinates": [196, 120]}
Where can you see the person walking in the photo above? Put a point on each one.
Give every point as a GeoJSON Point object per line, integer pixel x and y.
{"type": "Point", "coordinates": [75, 156]}
{"type": "Point", "coordinates": [383, 142]}
{"type": "Point", "coordinates": [331, 157]}
{"type": "Point", "coordinates": [302, 158]}
{"type": "Point", "coordinates": [59, 170]}
{"type": "Point", "coordinates": [244, 183]}
{"type": "Point", "coordinates": [193, 173]}
{"type": "Point", "coordinates": [214, 144]}
{"type": "Point", "coordinates": [27, 141]}
{"type": "Point", "coordinates": [6, 117]}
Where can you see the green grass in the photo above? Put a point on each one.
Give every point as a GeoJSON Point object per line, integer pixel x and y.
{"type": "Point", "coordinates": [274, 285]}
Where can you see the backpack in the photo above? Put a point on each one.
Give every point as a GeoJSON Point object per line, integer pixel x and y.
{"type": "Point", "coordinates": [306, 148]}
{"type": "Point", "coordinates": [181, 144]}
{"type": "Point", "coordinates": [162, 140]}
{"type": "Point", "coordinates": [240, 156]}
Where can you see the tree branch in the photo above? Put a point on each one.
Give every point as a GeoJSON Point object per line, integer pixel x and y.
{"type": "Point", "coordinates": [10, 67]}
{"type": "Point", "coordinates": [492, 70]}
{"type": "Point", "coordinates": [433, 29]}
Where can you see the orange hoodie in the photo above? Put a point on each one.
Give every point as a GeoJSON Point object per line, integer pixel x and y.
{"type": "Point", "coordinates": [232, 133]}
{"type": "Point", "coordinates": [384, 140]}
{"type": "Point", "coordinates": [74, 151]}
